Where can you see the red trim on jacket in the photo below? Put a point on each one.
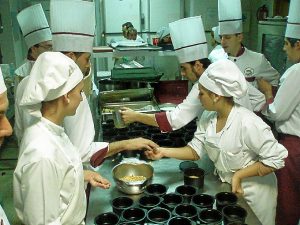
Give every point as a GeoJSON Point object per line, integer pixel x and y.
{"type": "Point", "coordinates": [162, 121]}
{"type": "Point", "coordinates": [98, 158]}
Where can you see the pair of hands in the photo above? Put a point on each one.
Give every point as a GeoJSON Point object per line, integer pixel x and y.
{"type": "Point", "coordinates": [95, 179]}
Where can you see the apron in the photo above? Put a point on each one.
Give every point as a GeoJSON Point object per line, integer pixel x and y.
{"type": "Point", "coordinates": [259, 192]}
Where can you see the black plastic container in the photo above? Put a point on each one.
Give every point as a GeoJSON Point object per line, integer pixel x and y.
{"type": "Point", "coordinates": [171, 200]}
{"type": "Point", "coordinates": [186, 191]}
{"type": "Point", "coordinates": [179, 220]}
{"type": "Point", "coordinates": [194, 177]}
{"type": "Point", "coordinates": [149, 201]}
{"type": "Point", "coordinates": [225, 198]}
{"type": "Point", "coordinates": [210, 217]}
{"type": "Point", "coordinates": [108, 218]}
{"type": "Point", "coordinates": [134, 215]}
{"type": "Point", "coordinates": [158, 215]}
{"type": "Point", "coordinates": [203, 201]}
{"type": "Point", "coordinates": [186, 210]}
{"type": "Point", "coordinates": [156, 189]}
{"type": "Point", "coordinates": [121, 203]}
{"type": "Point", "coordinates": [234, 213]}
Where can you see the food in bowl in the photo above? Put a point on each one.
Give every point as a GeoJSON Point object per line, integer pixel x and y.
{"type": "Point", "coordinates": [133, 178]}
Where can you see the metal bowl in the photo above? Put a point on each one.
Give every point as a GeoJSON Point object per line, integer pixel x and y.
{"type": "Point", "coordinates": [129, 169]}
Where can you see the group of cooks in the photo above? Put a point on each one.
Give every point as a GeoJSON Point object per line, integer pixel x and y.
{"type": "Point", "coordinates": [235, 91]}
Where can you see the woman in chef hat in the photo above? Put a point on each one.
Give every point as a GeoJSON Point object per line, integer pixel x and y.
{"type": "Point", "coordinates": [284, 109]}
{"type": "Point", "coordinates": [241, 146]}
{"type": "Point", "coordinates": [48, 180]}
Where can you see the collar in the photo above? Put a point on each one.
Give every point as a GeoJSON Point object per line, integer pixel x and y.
{"type": "Point", "coordinates": [52, 127]}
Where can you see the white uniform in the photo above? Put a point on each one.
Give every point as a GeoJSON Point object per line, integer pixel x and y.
{"type": "Point", "coordinates": [255, 65]}
{"type": "Point", "coordinates": [48, 180]}
{"type": "Point", "coordinates": [217, 53]}
{"type": "Point", "coordinates": [79, 128]}
{"type": "Point", "coordinates": [191, 107]}
{"type": "Point", "coordinates": [285, 110]}
{"type": "Point", "coordinates": [244, 140]}
{"type": "Point", "coordinates": [3, 217]}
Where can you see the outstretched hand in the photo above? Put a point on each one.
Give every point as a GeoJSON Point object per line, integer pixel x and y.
{"type": "Point", "coordinates": [96, 180]}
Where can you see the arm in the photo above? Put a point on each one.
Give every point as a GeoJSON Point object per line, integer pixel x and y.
{"type": "Point", "coordinates": [267, 72]}
{"type": "Point", "coordinates": [130, 116]}
{"type": "Point", "coordinates": [95, 179]}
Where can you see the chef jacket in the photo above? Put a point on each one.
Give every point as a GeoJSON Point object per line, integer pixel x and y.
{"type": "Point", "coordinates": [3, 217]}
{"type": "Point", "coordinates": [244, 140]}
{"type": "Point", "coordinates": [79, 128]}
{"type": "Point", "coordinates": [285, 109]}
{"type": "Point", "coordinates": [48, 180]}
{"type": "Point", "coordinates": [217, 53]}
{"type": "Point", "coordinates": [255, 65]}
{"type": "Point", "coordinates": [191, 107]}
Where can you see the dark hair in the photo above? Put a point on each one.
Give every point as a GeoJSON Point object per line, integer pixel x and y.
{"type": "Point", "coordinates": [77, 54]}
{"type": "Point", "coordinates": [205, 62]}
{"type": "Point", "coordinates": [29, 56]}
{"type": "Point", "coordinates": [127, 25]}
{"type": "Point", "coordinates": [293, 41]}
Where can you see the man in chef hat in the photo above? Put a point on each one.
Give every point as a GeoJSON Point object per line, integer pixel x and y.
{"type": "Point", "coordinates": [37, 35]}
{"type": "Point", "coordinates": [252, 64]}
{"type": "Point", "coordinates": [5, 130]}
{"type": "Point", "coordinates": [284, 110]}
{"type": "Point", "coordinates": [218, 51]}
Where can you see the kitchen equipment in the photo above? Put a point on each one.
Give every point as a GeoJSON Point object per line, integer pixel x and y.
{"type": "Point", "coordinates": [234, 213]}
{"type": "Point", "coordinates": [135, 74]}
{"type": "Point", "coordinates": [186, 191]}
{"type": "Point", "coordinates": [109, 218]}
{"type": "Point", "coordinates": [225, 198]}
{"type": "Point", "coordinates": [149, 201]}
{"type": "Point", "coordinates": [194, 177]}
{"type": "Point", "coordinates": [210, 216]}
{"type": "Point", "coordinates": [130, 169]}
{"type": "Point", "coordinates": [156, 189]}
{"type": "Point", "coordinates": [117, 117]}
{"type": "Point", "coordinates": [135, 215]}
{"type": "Point", "coordinates": [179, 220]}
{"type": "Point", "coordinates": [203, 201]}
{"type": "Point", "coordinates": [171, 200]}
{"type": "Point", "coordinates": [186, 210]}
{"type": "Point", "coordinates": [158, 215]}
{"type": "Point", "coordinates": [121, 203]}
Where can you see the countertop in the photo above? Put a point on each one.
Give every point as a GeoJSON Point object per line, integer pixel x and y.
{"type": "Point", "coordinates": [166, 171]}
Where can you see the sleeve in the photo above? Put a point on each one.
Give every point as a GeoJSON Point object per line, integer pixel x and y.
{"type": "Point", "coordinates": [259, 138]}
{"type": "Point", "coordinates": [41, 193]}
{"type": "Point", "coordinates": [257, 99]}
{"type": "Point", "coordinates": [18, 126]}
{"type": "Point", "coordinates": [185, 112]}
{"type": "Point", "coordinates": [197, 143]}
{"type": "Point", "coordinates": [287, 97]}
{"type": "Point", "coordinates": [267, 72]}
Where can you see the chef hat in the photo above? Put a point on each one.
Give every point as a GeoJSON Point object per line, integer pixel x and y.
{"type": "Point", "coordinates": [216, 34]}
{"type": "Point", "coordinates": [188, 38]}
{"type": "Point", "coordinates": [34, 25]}
{"type": "Point", "coordinates": [73, 25]}
{"type": "Point", "coordinates": [230, 17]}
{"type": "Point", "coordinates": [224, 78]}
{"type": "Point", "coordinates": [293, 24]}
{"type": "Point", "coordinates": [162, 32]}
{"type": "Point", "coordinates": [52, 75]}
{"type": "Point", "coordinates": [2, 84]}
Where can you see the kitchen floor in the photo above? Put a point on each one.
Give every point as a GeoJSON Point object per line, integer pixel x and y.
{"type": "Point", "coordinates": [8, 161]}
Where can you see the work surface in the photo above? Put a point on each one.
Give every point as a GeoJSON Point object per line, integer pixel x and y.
{"type": "Point", "coordinates": [166, 171]}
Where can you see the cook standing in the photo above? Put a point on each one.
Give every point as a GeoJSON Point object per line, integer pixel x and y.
{"type": "Point", "coordinates": [241, 146]}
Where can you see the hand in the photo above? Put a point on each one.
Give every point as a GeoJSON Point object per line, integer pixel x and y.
{"type": "Point", "coordinates": [265, 87]}
{"type": "Point", "coordinates": [155, 154]}
{"type": "Point", "coordinates": [236, 184]}
{"type": "Point", "coordinates": [128, 115]}
{"type": "Point", "coordinates": [140, 144]}
{"type": "Point", "coordinates": [96, 180]}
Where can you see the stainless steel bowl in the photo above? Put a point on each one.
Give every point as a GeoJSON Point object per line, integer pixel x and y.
{"type": "Point", "coordinates": [128, 169]}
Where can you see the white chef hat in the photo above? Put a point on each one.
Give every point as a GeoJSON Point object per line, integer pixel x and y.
{"type": "Point", "coordinates": [188, 38]}
{"type": "Point", "coordinates": [230, 17]}
{"type": "Point", "coordinates": [216, 34]}
{"type": "Point", "coordinates": [73, 25]}
{"type": "Point", "coordinates": [2, 84]}
{"type": "Point", "coordinates": [293, 24]}
{"type": "Point", "coordinates": [34, 25]}
{"type": "Point", "coordinates": [224, 78]}
{"type": "Point", "coordinates": [162, 32]}
{"type": "Point", "coordinates": [52, 75]}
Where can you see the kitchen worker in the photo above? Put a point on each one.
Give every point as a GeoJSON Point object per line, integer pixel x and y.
{"type": "Point", "coordinates": [5, 131]}
{"type": "Point", "coordinates": [48, 180]}
{"type": "Point", "coordinates": [37, 36]}
{"type": "Point", "coordinates": [165, 40]}
{"type": "Point", "coordinates": [241, 146]}
{"type": "Point", "coordinates": [125, 28]}
{"type": "Point", "coordinates": [252, 64]}
{"type": "Point", "coordinates": [218, 51]}
{"type": "Point", "coordinates": [284, 109]}
{"type": "Point", "coordinates": [191, 51]}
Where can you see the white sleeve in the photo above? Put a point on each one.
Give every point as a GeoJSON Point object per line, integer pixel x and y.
{"type": "Point", "coordinates": [287, 97]}
{"type": "Point", "coordinates": [41, 193]}
{"type": "Point", "coordinates": [257, 99]}
{"type": "Point", "coordinates": [258, 137]}
{"type": "Point", "coordinates": [3, 217]}
{"type": "Point", "coordinates": [188, 110]}
{"type": "Point", "coordinates": [267, 72]}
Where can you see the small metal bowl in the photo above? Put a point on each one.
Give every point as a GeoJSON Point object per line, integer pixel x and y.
{"type": "Point", "coordinates": [129, 169]}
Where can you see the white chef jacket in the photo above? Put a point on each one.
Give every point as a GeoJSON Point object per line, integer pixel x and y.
{"type": "Point", "coordinates": [217, 53]}
{"type": "Point", "coordinates": [191, 107]}
{"type": "Point", "coordinates": [244, 140]}
{"type": "Point", "coordinates": [3, 217]}
{"type": "Point", "coordinates": [24, 69]}
{"type": "Point", "coordinates": [48, 181]}
{"type": "Point", "coordinates": [255, 65]}
{"type": "Point", "coordinates": [79, 128]}
{"type": "Point", "coordinates": [285, 109]}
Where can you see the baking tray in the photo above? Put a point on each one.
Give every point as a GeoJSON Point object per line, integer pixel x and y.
{"type": "Point", "coordinates": [135, 74]}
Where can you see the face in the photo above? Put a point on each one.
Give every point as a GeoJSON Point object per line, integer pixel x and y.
{"type": "Point", "coordinates": [83, 62]}
{"type": "Point", "coordinates": [75, 98]}
{"type": "Point", "coordinates": [188, 72]}
{"type": "Point", "coordinates": [42, 47]}
{"type": "Point", "coordinates": [5, 127]}
{"type": "Point", "coordinates": [291, 52]}
{"type": "Point", "coordinates": [131, 36]}
{"type": "Point", "coordinates": [231, 43]}
{"type": "Point", "coordinates": [206, 98]}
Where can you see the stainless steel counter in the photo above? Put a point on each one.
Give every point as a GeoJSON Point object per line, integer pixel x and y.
{"type": "Point", "coordinates": [166, 171]}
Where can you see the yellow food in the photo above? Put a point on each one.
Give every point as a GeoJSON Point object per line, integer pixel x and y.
{"type": "Point", "coordinates": [193, 176]}
{"type": "Point", "coordinates": [132, 178]}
